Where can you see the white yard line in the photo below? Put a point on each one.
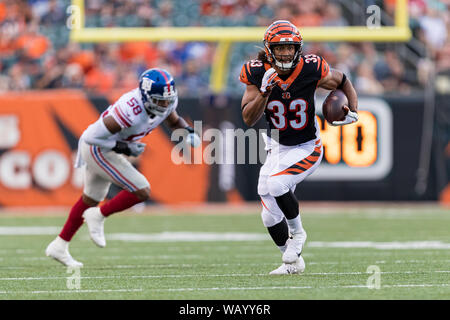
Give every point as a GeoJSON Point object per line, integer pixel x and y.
{"type": "Point", "coordinates": [300, 287]}
{"type": "Point", "coordinates": [228, 288]}
{"type": "Point", "coordinates": [216, 275]}
{"type": "Point", "coordinates": [188, 236]}
{"type": "Point", "coordinates": [399, 245]}
{"type": "Point", "coordinates": [193, 265]}
{"type": "Point", "coordinates": [26, 231]}
{"type": "Point", "coordinates": [70, 291]}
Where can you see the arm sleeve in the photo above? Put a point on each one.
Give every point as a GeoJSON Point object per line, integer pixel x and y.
{"type": "Point", "coordinates": [98, 135]}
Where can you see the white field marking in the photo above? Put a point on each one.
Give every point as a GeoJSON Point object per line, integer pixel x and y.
{"type": "Point", "coordinates": [163, 276]}
{"type": "Point", "coordinates": [28, 231]}
{"type": "Point", "coordinates": [187, 236]}
{"type": "Point", "coordinates": [300, 287]}
{"type": "Point", "coordinates": [71, 291]}
{"type": "Point", "coordinates": [163, 256]}
{"type": "Point", "coordinates": [407, 245]}
{"type": "Point", "coordinates": [232, 236]}
{"type": "Point", "coordinates": [212, 236]}
{"type": "Point", "coordinates": [189, 265]}
{"type": "Point", "coordinates": [228, 288]}
{"type": "Point", "coordinates": [413, 261]}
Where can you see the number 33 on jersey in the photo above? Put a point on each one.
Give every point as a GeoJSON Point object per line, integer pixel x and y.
{"type": "Point", "coordinates": [290, 107]}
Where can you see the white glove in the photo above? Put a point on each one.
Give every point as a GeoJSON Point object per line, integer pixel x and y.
{"type": "Point", "coordinates": [193, 139]}
{"type": "Point", "coordinates": [136, 148]}
{"type": "Point", "coordinates": [351, 117]}
{"type": "Point", "coordinates": [268, 81]}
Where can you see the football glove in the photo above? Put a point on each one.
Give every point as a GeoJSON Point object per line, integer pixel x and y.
{"type": "Point", "coordinates": [351, 117]}
{"type": "Point", "coordinates": [136, 148]}
{"type": "Point", "coordinates": [268, 82]}
{"type": "Point", "coordinates": [193, 139]}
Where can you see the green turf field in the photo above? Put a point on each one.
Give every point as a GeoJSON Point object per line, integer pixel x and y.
{"type": "Point", "coordinates": [410, 246]}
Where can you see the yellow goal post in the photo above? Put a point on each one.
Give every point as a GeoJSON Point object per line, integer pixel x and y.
{"type": "Point", "coordinates": [225, 36]}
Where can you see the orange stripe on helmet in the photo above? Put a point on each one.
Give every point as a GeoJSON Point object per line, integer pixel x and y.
{"type": "Point", "coordinates": [282, 29]}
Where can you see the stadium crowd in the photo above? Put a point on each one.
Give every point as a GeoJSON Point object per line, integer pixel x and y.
{"type": "Point", "coordinates": [35, 52]}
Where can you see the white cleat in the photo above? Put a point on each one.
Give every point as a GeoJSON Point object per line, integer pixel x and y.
{"type": "Point", "coordinates": [58, 249]}
{"type": "Point", "coordinates": [294, 248]}
{"type": "Point", "coordinates": [95, 222]}
{"type": "Point", "coordinates": [290, 268]}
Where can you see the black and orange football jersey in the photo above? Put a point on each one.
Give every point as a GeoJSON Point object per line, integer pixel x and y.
{"type": "Point", "coordinates": [290, 107]}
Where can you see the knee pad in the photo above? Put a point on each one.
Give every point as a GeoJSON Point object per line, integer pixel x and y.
{"type": "Point", "coordinates": [270, 219]}
{"type": "Point", "coordinates": [277, 186]}
{"type": "Point", "coordinates": [271, 214]}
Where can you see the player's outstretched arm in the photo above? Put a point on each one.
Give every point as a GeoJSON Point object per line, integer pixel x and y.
{"type": "Point", "coordinates": [337, 80]}
{"type": "Point", "coordinates": [174, 121]}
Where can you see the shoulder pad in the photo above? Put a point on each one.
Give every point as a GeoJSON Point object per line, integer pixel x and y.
{"type": "Point", "coordinates": [252, 72]}
{"type": "Point", "coordinates": [315, 66]}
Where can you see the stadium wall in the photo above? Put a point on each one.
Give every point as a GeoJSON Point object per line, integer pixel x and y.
{"type": "Point", "coordinates": [376, 159]}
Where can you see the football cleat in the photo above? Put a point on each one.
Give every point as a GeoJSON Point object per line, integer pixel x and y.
{"type": "Point", "coordinates": [58, 249]}
{"type": "Point", "coordinates": [95, 222]}
{"type": "Point", "coordinates": [294, 248]}
{"type": "Point", "coordinates": [297, 267]}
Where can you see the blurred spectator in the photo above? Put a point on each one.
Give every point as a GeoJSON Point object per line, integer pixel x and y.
{"type": "Point", "coordinates": [35, 52]}
{"type": "Point", "coordinates": [55, 14]}
{"type": "Point", "coordinates": [333, 16]}
{"type": "Point", "coordinates": [73, 76]}
{"type": "Point", "coordinates": [365, 81]}
{"type": "Point", "coordinates": [390, 72]}
{"type": "Point", "coordinates": [31, 43]}
{"type": "Point", "coordinates": [305, 13]}
{"type": "Point", "coordinates": [433, 26]}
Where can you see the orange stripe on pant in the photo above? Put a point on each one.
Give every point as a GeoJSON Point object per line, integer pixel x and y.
{"type": "Point", "coordinates": [302, 165]}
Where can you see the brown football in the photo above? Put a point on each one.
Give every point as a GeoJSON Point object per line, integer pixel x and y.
{"type": "Point", "coordinates": [333, 106]}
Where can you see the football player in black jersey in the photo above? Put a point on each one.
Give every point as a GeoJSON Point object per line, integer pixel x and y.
{"type": "Point", "coordinates": [281, 84]}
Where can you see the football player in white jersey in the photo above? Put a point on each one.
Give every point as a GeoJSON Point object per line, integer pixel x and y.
{"type": "Point", "coordinates": [100, 152]}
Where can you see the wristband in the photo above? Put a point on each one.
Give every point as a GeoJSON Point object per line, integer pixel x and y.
{"type": "Point", "coordinates": [190, 129]}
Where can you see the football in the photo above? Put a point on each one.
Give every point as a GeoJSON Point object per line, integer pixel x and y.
{"type": "Point", "coordinates": [333, 106]}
